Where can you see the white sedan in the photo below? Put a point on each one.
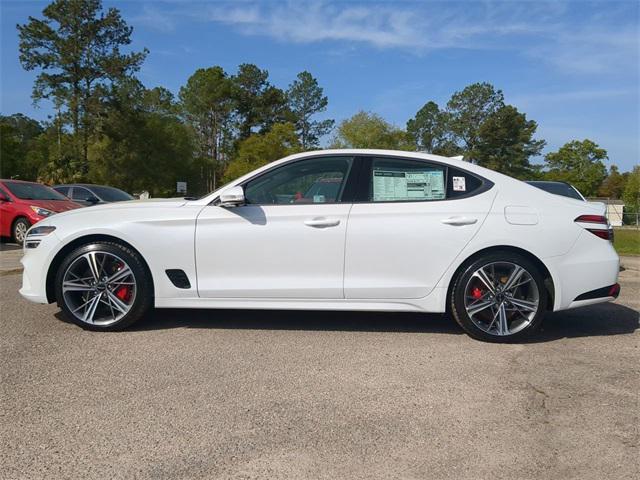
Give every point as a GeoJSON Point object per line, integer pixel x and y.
{"type": "Point", "coordinates": [333, 230]}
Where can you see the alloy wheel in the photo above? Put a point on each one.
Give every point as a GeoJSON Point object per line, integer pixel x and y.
{"type": "Point", "coordinates": [501, 298]}
{"type": "Point", "coordinates": [99, 288]}
{"type": "Point", "coordinates": [20, 232]}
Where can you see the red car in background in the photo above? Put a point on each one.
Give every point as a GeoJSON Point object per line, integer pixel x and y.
{"type": "Point", "coordinates": [24, 203]}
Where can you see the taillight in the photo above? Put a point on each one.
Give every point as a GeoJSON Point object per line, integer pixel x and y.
{"type": "Point", "coordinates": [596, 224]}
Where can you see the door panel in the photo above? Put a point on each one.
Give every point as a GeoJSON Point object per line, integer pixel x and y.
{"type": "Point", "coordinates": [400, 250]}
{"type": "Point", "coordinates": [271, 251]}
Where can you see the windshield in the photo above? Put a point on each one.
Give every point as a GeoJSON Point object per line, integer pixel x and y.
{"type": "Point", "coordinates": [34, 191]}
{"type": "Point", "coordinates": [111, 194]}
{"type": "Point", "coordinates": [558, 188]}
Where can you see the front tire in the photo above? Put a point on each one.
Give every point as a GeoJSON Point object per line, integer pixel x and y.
{"type": "Point", "coordinates": [19, 230]}
{"type": "Point", "coordinates": [103, 286]}
{"type": "Point", "coordinates": [499, 297]}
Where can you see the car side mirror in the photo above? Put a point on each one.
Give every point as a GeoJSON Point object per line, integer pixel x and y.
{"type": "Point", "coordinates": [232, 197]}
{"type": "Point", "coordinates": [3, 198]}
{"type": "Point", "coordinates": [93, 200]}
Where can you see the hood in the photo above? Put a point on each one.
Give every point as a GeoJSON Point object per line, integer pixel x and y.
{"type": "Point", "coordinates": [56, 206]}
{"type": "Point", "coordinates": [128, 205]}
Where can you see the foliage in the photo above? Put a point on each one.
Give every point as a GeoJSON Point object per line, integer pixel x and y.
{"type": "Point", "coordinates": [579, 163]}
{"type": "Point", "coordinates": [17, 135]}
{"type": "Point", "coordinates": [262, 148]}
{"type": "Point", "coordinates": [305, 100]}
{"type": "Point", "coordinates": [468, 110]}
{"type": "Point", "coordinates": [505, 143]}
{"type": "Point", "coordinates": [207, 104]}
{"type": "Point", "coordinates": [613, 185]}
{"type": "Point", "coordinates": [631, 194]}
{"type": "Point", "coordinates": [368, 130]}
{"type": "Point", "coordinates": [76, 47]}
{"type": "Point", "coordinates": [429, 131]}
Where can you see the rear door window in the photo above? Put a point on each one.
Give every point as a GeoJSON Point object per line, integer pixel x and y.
{"type": "Point", "coordinates": [400, 180]}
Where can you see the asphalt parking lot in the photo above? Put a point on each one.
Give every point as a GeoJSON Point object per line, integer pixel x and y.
{"type": "Point", "coordinates": [241, 394]}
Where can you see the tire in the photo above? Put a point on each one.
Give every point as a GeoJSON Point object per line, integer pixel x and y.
{"type": "Point", "coordinates": [19, 230]}
{"type": "Point", "coordinates": [103, 286]}
{"type": "Point", "coordinates": [486, 305]}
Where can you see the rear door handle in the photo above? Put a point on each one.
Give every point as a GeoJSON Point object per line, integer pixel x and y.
{"type": "Point", "coordinates": [459, 221]}
{"type": "Point", "coordinates": [322, 222]}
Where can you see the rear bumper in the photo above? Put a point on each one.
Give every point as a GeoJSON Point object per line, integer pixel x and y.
{"type": "Point", "coordinates": [586, 274]}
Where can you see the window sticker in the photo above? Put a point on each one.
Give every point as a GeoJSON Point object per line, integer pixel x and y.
{"type": "Point", "coordinates": [393, 185]}
{"type": "Point", "coordinates": [459, 184]}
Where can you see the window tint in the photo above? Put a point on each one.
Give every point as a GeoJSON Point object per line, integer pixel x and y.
{"type": "Point", "coordinates": [33, 191]}
{"type": "Point", "coordinates": [461, 183]}
{"type": "Point", "coordinates": [558, 188]}
{"type": "Point", "coordinates": [80, 193]}
{"type": "Point", "coordinates": [316, 180]}
{"type": "Point", "coordinates": [63, 190]}
{"type": "Point", "coordinates": [399, 180]}
{"type": "Point", "coordinates": [111, 194]}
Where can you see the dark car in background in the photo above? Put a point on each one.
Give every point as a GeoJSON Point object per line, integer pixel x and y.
{"type": "Point", "coordinates": [87, 194]}
{"type": "Point", "coordinates": [24, 203]}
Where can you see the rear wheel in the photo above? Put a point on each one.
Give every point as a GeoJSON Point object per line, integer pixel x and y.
{"type": "Point", "coordinates": [19, 230]}
{"type": "Point", "coordinates": [499, 297]}
{"type": "Point", "coordinates": [103, 286]}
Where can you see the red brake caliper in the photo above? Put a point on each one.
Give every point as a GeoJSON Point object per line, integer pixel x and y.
{"type": "Point", "coordinates": [476, 293]}
{"type": "Point", "coordinates": [123, 292]}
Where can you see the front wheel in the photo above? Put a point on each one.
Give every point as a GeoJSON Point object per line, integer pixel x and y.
{"type": "Point", "coordinates": [19, 231]}
{"type": "Point", "coordinates": [103, 286]}
{"type": "Point", "coordinates": [500, 297]}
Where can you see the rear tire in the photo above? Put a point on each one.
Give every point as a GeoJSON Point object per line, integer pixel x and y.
{"type": "Point", "coordinates": [103, 286]}
{"type": "Point", "coordinates": [19, 230]}
{"type": "Point", "coordinates": [499, 297]}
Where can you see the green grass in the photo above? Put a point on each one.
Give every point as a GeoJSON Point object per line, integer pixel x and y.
{"type": "Point", "coordinates": [627, 241]}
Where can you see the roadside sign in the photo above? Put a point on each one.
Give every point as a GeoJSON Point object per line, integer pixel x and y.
{"type": "Point", "coordinates": [181, 187]}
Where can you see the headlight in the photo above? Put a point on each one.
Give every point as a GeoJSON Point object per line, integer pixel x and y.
{"type": "Point", "coordinates": [35, 234]}
{"type": "Point", "coordinates": [40, 231]}
{"type": "Point", "coordinates": [43, 212]}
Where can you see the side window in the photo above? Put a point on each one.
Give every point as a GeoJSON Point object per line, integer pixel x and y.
{"type": "Point", "coordinates": [80, 193]}
{"type": "Point", "coordinates": [461, 183]}
{"type": "Point", "coordinates": [63, 190]}
{"type": "Point", "coordinates": [400, 180]}
{"type": "Point", "coordinates": [316, 180]}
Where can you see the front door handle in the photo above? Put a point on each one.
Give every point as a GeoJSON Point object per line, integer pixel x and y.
{"type": "Point", "coordinates": [459, 221]}
{"type": "Point", "coordinates": [322, 222]}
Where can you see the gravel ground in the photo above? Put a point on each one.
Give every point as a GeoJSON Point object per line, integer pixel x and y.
{"type": "Point", "coordinates": [294, 395]}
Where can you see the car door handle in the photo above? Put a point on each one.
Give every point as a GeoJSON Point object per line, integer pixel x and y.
{"type": "Point", "coordinates": [322, 222]}
{"type": "Point", "coordinates": [459, 221]}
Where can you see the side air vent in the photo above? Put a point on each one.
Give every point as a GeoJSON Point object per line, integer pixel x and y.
{"type": "Point", "coordinates": [178, 278]}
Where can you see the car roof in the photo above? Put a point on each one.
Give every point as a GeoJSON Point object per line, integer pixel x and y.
{"type": "Point", "coordinates": [87, 185]}
{"type": "Point", "coordinates": [21, 181]}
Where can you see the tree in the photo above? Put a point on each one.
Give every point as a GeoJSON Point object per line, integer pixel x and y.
{"type": "Point", "coordinates": [369, 130]}
{"type": "Point", "coordinates": [142, 143]}
{"type": "Point", "coordinates": [613, 185]}
{"type": "Point", "coordinates": [17, 135]}
{"type": "Point", "coordinates": [77, 48]}
{"type": "Point", "coordinates": [207, 104]}
{"type": "Point", "coordinates": [631, 194]}
{"type": "Point", "coordinates": [258, 104]}
{"type": "Point", "coordinates": [469, 109]}
{"type": "Point", "coordinates": [262, 148]}
{"type": "Point", "coordinates": [579, 163]}
{"type": "Point", "coordinates": [429, 131]}
{"type": "Point", "coordinates": [505, 143]}
{"type": "Point", "coordinates": [306, 99]}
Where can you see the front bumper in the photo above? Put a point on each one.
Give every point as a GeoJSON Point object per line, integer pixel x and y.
{"type": "Point", "coordinates": [35, 262]}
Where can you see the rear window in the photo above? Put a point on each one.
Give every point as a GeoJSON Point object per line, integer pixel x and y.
{"type": "Point", "coordinates": [558, 188]}
{"type": "Point", "coordinates": [111, 194]}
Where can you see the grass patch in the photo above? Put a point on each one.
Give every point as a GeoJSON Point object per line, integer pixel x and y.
{"type": "Point", "coordinates": [627, 241]}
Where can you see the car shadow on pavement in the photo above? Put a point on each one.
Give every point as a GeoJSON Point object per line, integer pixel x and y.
{"type": "Point", "coordinates": [7, 247]}
{"type": "Point", "coordinates": [597, 320]}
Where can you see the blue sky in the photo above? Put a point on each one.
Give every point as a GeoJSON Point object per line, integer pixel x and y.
{"type": "Point", "coordinates": [573, 67]}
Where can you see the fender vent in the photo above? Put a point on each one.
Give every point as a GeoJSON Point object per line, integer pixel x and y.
{"type": "Point", "coordinates": [178, 278]}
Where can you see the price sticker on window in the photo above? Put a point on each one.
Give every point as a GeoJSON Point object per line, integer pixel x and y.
{"type": "Point", "coordinates": [459, 184]}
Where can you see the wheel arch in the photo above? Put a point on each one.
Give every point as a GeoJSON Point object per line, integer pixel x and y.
{"type": "Point", "coordinates": [19, 216]}
{"type": "Point", "coordinates": [78, 242]}
{"type": "Point", "coordinates": [548, 278]}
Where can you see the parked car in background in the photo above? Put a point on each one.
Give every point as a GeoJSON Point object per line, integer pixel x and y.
{"type": "Point", "coordinates": [24, 203]}
{"type": "Point", "coordinates": [401, 232]}
{"type": "Point", "coordinates": [558, 188]}
{"type": "Point", "coordinates": [86, 194]}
